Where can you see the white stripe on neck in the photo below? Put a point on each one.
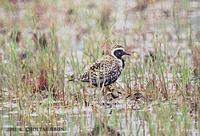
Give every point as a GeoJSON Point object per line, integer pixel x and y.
{"type": "Point", "coordinates": [112, 53]}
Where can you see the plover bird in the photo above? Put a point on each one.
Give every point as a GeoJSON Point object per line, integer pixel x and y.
{"type": "Point", "coordinates": [106, 70]}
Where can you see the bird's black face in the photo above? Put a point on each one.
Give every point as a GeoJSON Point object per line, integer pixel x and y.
{"type": "Point", "coordinates": [119, 53]}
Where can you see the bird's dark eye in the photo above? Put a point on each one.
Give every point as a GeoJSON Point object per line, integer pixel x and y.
{"type": "Point", "coordinates": [118, 53]}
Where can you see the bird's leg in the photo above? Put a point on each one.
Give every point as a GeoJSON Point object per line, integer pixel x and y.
{"type": "Point", "coordinates": [105, 89]}
{"type": "Point", "coordinates": [104, 93]}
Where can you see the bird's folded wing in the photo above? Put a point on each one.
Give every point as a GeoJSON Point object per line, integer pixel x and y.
{"type": "Point", "coordinates": [98, 70]}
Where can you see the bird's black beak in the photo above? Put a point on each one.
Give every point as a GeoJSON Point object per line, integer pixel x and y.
{"type": "Point", "coordinates": [126, 53]}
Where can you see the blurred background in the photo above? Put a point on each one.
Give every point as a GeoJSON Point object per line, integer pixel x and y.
{"type": "Point", "coordinates": [44, 41]}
